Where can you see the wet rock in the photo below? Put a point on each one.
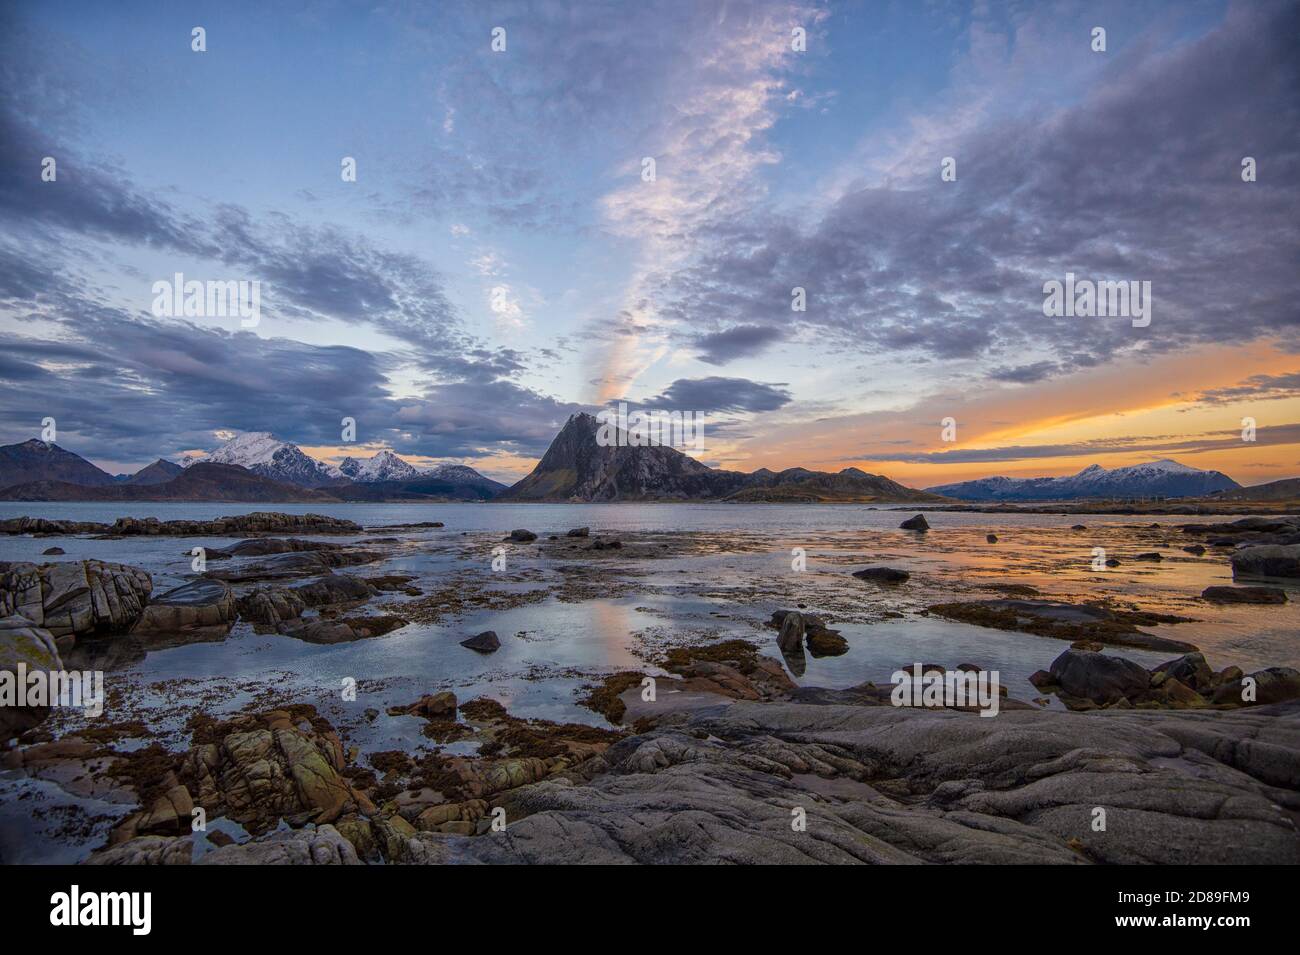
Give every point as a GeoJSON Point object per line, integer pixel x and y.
{"type": "Point", "coordinates": [1097, 676]}
{"type": "Point", "coordinates": [275, 605]}
{"type": "Point", "coordinates": [264, 546]}
{"type": "Point", "coordinates": [826, 643]}
{"type": "Point", "coordinates": [578, 532]}
{"type": "Point", "coordinates": [991, 538]}
{"type": "Point", "coordinates": [1272, 685]}
{"type": "Point", "coordinates": [293, 564]}
{"type": "Point", "coordinates": [792, 633]}
{"type": "Point", "coordinates": [917, 523]}
{"type": "Point", "coordinates": [431, 706]}
{"type": "Point", "coordinates": [201, 610]}
{"type": "Point", "coordinates": [53, 552]}
{"type": "Point", "coordinates": [485, 642]}
{"type": "Point", "coordinates": [1267, 560]}
{"type": "Point", "coordinates": [882, 575]}
{"type": "Point", "coordinates": [74, 598]}
{"type": "Point", "coordinates": [1149, 556]}
{"type": "Point", "coordinates": [1196, 550]}
{"type": "Point", "coordinates": [1244, 595]}
{"type": "Point", "coordinates": [342, 629]}
{"type": "Point", "coordinates": [521, 536]}
{"type": "Point", "coordinates": [1079, 527]}
{"type": "Point", "coordinates": [21, 641]}
{"type": "Point", "coordinates": [315, 845]}
{"type": "Point", "coordinates": [1190, 669]}
{"type": "Point", "coordinates": [1067, 621]}
{"type": "Point", "coordinates": [605, 545]}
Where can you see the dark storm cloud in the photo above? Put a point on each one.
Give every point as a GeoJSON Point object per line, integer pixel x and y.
{"type": "Point", "coordinates": [740, 341]}
{"type": "Point", "coordinates": [707, 395]}
{"type": "Point", "coordinates": [1139, 180]}
{"type": "Point", "coordinates": [1025, 374]}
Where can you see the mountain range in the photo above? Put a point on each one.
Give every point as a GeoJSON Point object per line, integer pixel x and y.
{"type": "Point", "coordinates": [257, 466]}
{"type": "Point", "coordinates": [578, 468]}
{"type": "Point", "coordinates": [1163, 478]}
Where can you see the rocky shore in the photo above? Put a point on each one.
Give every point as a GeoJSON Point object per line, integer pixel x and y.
{"type": "Point", "coordinates": [710, 751]}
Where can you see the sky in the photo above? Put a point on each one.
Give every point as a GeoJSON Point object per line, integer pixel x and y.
{"type": "Point", "coordinates": [504, 258]}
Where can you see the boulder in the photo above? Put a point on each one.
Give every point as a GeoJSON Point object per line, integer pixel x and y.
{"type": "Point", "coordinates": [882, 575]}
{"type": "Point", "coordinates": [431, 706]}
{"type": "Point", "coordinates": [1244, 595]}
{"type": "Point", "coordinates": [991, 538]}
{"type": "Point", "coordinates": [1273, 685]}
{"type": "Point", "coordinates": [53, 552]}
{"type": "Point", "coordinates": [75, 598]}
{"type": "Point", "coordinates": [1267, 560]}
{"type": "Point", "coordinates": [917, 523]}
{"type": "Point", "coordinates": [21, 641]}
{"type": "Point", "coordinates": [1097, 676]}
{"type": "Point", "coordinates": [521, 536]}
{"type": "Point", "coordinates": [1190, 669]}
{"type": "Point", "coordinates": [792, 633]}
{"type": "Point", "coordinates": [826, 643]}
{"type": "Point", "coordinates": [342, 629]}
{"type": "Point", "coordinates": [485, 642]}
{"type": "Point", "coordinates": [578, 532]}
{"type": "Point", "coordinates": [202, 609]}
{"type": "Point", "coordinates": [273, 606]}
{"type": "Point", "coordinates": [1196, 550]}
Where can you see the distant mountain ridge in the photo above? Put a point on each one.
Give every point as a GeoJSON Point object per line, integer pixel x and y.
{"type": "Point", "coordinates": [577, 468]}
{"type": "Point", "coordinates": [262, 453]}
{"type": "Point", "coordinates": [203, 481]}
{"type": "Point", "coordinates": [1163, 478]}
{"type": "Point", "coordinates": [45, 461]}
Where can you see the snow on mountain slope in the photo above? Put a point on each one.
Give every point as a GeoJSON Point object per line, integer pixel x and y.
{"type": "Point", "coordinates": [1163, 478]}
{"type": "Point", "coordinates": [264, 454]}
{"type": "Point", "coordinates": [384, 466]}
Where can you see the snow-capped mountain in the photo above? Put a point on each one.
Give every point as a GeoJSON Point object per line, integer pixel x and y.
{"type": "Point", "coordinates": [1164, 478]}
{"type": "Point", "coordinates": [384, 466]}
{"type": "Point", "coordinates": [263, 453]}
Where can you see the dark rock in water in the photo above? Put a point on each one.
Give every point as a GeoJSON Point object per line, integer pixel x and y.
{"type": "Point", "coordinates": [992, 538]}
{"type": "Point", "coordinates": [1244, 595]}
{"type": "Point", "coordinates": [578, 532]}
{"type": "Point", "coordinates": [432, 706]}
{"type": "Point", "coordinates": [1042, 679]}
{"type": "Point", "coordinates": [342, 630]}
{"type": "Point", "coordinates": [809, 619]}
{"type": "Point", "coordinates": [53, 552]}
{"type": "Point", "coordinates": [1273, 685]}
{"type": "Point", "coordinates": [1150, 555]}
{"type": "Point", "coordinates": [1079, 527]}
{"type": "Point", "coordinates": [826, 643]}
{"type": "Point", "coordinates": [1112, 562]}
{"type": "Point", "coordinates": [293, 564]}
{"type": "Point", "coordinates": [262, 546]}
{"type": "Point", "coordinates": [522, 536]}
{"type": "Point", "coordinates": [605, 545]}
{"type": "Point", "coordinates": [792, 633]}
{"type": "Point", "coordinates": [1195, 550]}
{"type": "Point", "coordinates": [1065, 621]}
{"type": "Point", "coordinates": [882, 575]}
{"type": "Point", "coordinates": [485, 642]}
{"type": "Point", "coordinates": [1267, 560]}
{"type": "Point", "coordinates": [1098, 677]}
{"type": "Point", "coordinates": [917, 523]}
{"type": "Point", "coordinates": [276, 605]}
{"type": "Point", "coordinates": [202, 609]}
{"type": "Point", "coordinates": [1190, 669]}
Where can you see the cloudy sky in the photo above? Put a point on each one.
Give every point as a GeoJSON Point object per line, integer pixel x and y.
{"type": "Point", "coordinates": [502, 260]}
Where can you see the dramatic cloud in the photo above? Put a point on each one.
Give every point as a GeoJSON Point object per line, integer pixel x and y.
{"type": "Point", "coordinates": [707, 395]}
{"type": "Point", "coordinates": [741, 341]}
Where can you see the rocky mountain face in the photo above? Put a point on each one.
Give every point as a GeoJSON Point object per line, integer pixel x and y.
{"type": "Point", "coordinates": [384, 466]}
{"type": "Point", "coordinates": [1164, 478]}
{"type": "Point", "coordinates": [41, 461]}
{"type": "Point", "coordinates": [264, 454]}
{"type": "Point", "coordinates": [576, 467]}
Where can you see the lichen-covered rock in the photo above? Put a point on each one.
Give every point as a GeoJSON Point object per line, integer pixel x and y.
{"type": "Point", "coordinates": [23, 642]}
{"type": "Point", "coordinates": [74, 598]}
